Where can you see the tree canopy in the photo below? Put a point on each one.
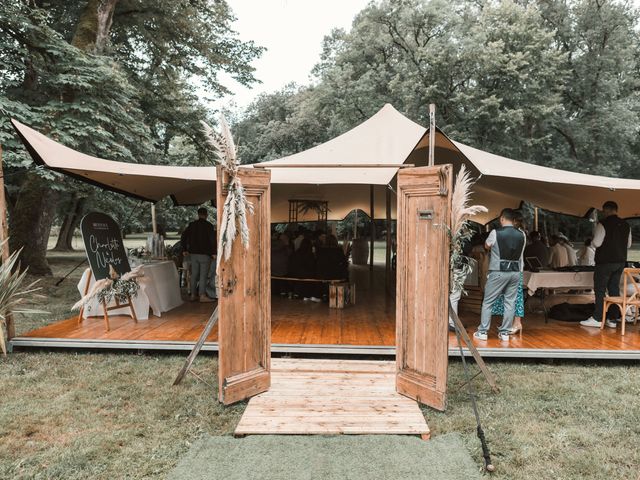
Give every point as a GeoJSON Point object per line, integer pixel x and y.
{"type": "Point", "coordinates": [125, 80]}
{"type": "Point", "coordinates": [553, 82]}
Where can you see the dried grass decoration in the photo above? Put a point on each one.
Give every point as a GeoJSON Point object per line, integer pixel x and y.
{"type": "Point", "coordinates": [236, 205]}
{"type": "Point", "coordinates": [461, 231]}
{"type": "Point", "coordinates": [13, 292]}
{"type": "Point", "coordinates": [115, 287]}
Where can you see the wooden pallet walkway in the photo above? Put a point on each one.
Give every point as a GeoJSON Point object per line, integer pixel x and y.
{"type": "Point", "coordinates": [331, 397]}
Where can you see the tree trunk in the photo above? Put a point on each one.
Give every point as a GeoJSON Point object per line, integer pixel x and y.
{"type": "Point", "coordinates": [35, 206]}
{"type": "Point", "coordinates": [30, 223]}
{"type": "Point", "coordinates": [94, 26]}
{"type": "Point", "coordinates": [70, 223]}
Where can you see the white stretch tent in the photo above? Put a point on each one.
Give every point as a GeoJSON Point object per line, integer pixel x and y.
{"type": "Point", "coordinates": [387, 138]}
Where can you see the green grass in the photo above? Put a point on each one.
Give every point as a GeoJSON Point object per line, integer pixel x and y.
{"type": "Point", "coordinates": [89, 415]}
{"type": "Point", "coordinates": [68, 415]}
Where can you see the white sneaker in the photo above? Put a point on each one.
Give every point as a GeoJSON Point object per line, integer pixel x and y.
{"type": "Point", "coordinates": [591, 322]}
{"type": "Point", "coordinates": [316, 299]}
{"type": "Point", "coordinates": [611, 323]}
{"type": "Point", "coordinates": [480, 336]}
{"type": "Point", "coordinates": [306, 299]}
{"type": "Point", "coordinates": [504, 337]}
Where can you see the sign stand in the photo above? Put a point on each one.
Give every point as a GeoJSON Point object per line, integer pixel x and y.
{"type": "Point", "coordinates": [105, 307]}
{"type": "Point", "coordinates": [105, 250]}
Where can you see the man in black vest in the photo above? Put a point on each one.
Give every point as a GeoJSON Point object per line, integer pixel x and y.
{"type": "Point", "coordinates": [611, 238]}
{"type": "Point", "coordinates": [506, 245]}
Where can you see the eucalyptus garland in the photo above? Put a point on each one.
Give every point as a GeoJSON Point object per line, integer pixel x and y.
{"type": "Point", "coordinates": [114, 287]}
{"type": "Point", "coordinates": [119, 290]}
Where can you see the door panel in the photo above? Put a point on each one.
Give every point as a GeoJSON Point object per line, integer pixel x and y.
{"type": "Point", "coordinates": [244, 325]}
{"type": "Point", "coordinates": [424, 219]}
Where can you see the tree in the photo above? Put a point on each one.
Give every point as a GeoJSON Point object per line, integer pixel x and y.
{"type": "Point", "coordinates": [553, 82]}
{"type": "Point", "coordinates": [598, 130]}
{"type": "Point", "coordinates": [118, 79]}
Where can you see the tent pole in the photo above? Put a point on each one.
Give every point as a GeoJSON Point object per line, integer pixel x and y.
{"type": "Point", "coordinates": [387, 256]}
{"type": "Point", "coordinates": [373, 227]}
{"type": "Point", "coordinates": [4, 235]}
{"type": "Point", "coordinates": [535, 219]}
{"type": "Point", "coordinates": [154, 221]}
{"type": "Point", "coordinates": [355, 225]}
{"type": "Point", "coordinates": [432, 133]}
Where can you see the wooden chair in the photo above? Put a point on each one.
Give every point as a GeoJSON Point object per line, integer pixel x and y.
{"type": "Point", "coordinates": [627, 299]}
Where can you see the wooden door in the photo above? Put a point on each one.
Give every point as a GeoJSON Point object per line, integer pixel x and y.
{"type": "Point", "coordinates": [424, 219]}
{"type": "Point", "coordinates": [244, 325]}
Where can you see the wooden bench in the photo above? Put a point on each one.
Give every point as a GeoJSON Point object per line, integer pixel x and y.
{"type": "Point", "coordinates": [341, 292]}
{"type": "Point", "coordinates": [318, 280]}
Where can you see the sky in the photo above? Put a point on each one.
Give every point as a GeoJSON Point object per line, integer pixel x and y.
{"type": "Point", "coordinates": [292, 31]}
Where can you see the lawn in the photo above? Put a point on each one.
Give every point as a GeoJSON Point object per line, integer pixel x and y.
{"type": "Point", "coordinates": [115, 415]}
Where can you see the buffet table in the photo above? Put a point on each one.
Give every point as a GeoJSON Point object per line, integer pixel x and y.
{"type": "Point", "coordinates": [159, 290]}
{"type": "Point", "coordinates": [551, 279]}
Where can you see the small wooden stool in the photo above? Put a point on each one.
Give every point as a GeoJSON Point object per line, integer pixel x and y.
{"type": "Point", "coordinates": [341, 295]}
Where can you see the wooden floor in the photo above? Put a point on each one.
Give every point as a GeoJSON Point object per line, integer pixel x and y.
{"type": "Point", "coordinates": [365, 328]}
{"type": "Point", "coordinates": [329, 397]}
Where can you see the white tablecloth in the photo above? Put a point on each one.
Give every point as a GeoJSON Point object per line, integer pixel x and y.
{"type": "Point", "coordinates": [550, 279]}
{"type": "Point", "coordinates": [162, 286]}
{"type": "Point", "coordinates": [159, 290]}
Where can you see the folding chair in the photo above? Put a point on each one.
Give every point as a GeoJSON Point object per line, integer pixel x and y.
{"type": "Point", "coordinates": [630, 297]}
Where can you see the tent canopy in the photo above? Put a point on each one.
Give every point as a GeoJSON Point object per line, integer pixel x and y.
{"type": "Point", "coordinates": [503, 182]}
{"type": "Point", "coordinates": [387, 138]}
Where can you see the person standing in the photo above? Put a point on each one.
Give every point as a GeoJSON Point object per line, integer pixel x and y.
{"type": "Point", "coordinates": [498, 306]}
{"type": "Point", "coordinates": [199, 243]}
{"type": "Point", "coordinates": [611, 239]}
{"type": "Point", "coordinates": [537, 249]}
{"type": "Point", "coordinates": [506, 245]}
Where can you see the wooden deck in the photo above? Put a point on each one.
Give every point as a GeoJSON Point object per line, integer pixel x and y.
{"type": "Point", "coordinates": [330, 397]}
{"type": "Point", "coordinates": [304, 327]}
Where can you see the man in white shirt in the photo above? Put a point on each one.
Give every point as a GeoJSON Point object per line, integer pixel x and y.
{"type": "Point", "coordinates": [587, 254]}
{"type": "Point", "coordinates": [571, 253]}
{"type": "Point", "coordinates": [558, 256]}
{"type": "Point", "coordinates": [612, 238]}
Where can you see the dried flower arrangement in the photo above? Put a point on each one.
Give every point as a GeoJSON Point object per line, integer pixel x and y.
{"type": "Point", "coordinates": [461, 231]}
{"type": "Point", "coordinates": [115, 287]}
{"type": "Point", "coordinates": [236, 205]}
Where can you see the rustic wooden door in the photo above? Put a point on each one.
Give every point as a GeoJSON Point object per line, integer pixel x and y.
{"type": "Point", "coordinates": [424, 219]}
{"type": "Point", "coordinates": [244, 325]}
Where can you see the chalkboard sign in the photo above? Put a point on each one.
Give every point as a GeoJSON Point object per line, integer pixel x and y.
{"type": "Point", "coordinates": [103, 243]}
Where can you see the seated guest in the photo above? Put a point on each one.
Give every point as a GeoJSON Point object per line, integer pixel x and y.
{"type": "Point", "coordinates": [587, 254]}
{"type": "Point", "coordinates": [537, 249]}
{"type": "Point", "coordinates": [571, 253]}
{"type": "Point", "coordinates": [280, 251]}
{"type": "Point", "coordinates": [558, 256]}
{"type": "Point", "coordinates": [302, 264]}
{"type": "Point", "coordinates": [332, 264]}
{"type": "Point", "coordinates": [297, 239]}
